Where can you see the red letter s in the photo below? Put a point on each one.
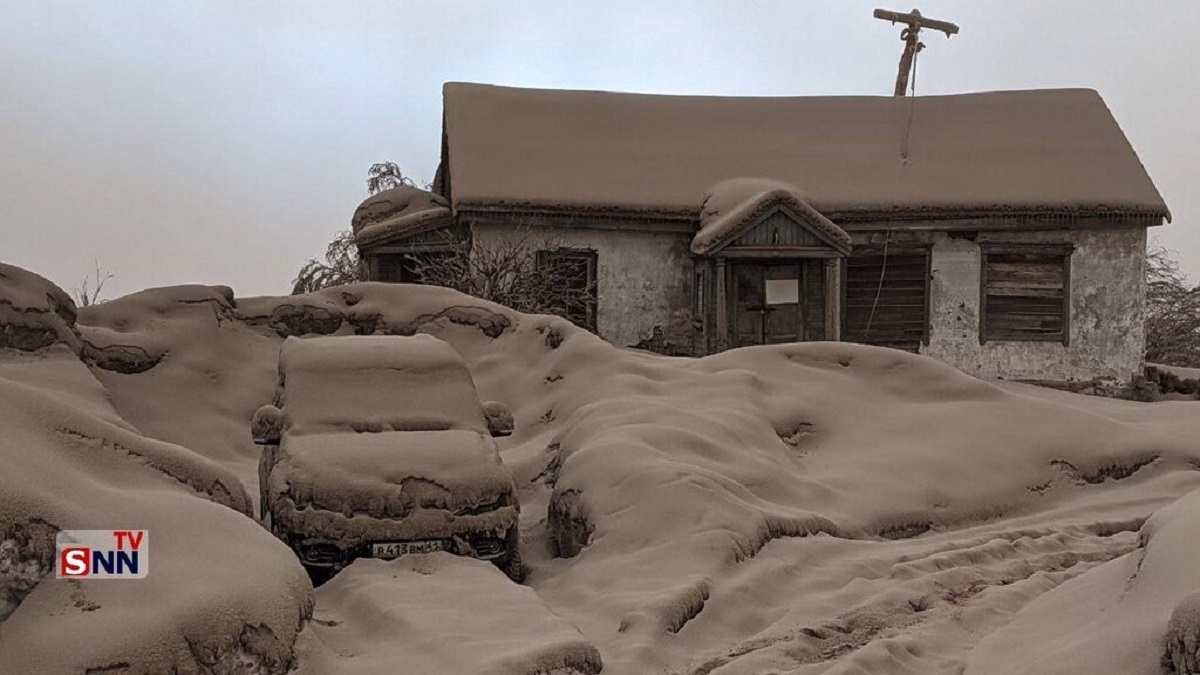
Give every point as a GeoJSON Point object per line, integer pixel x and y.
{"type": "Point", "coordinates": [76, 562]}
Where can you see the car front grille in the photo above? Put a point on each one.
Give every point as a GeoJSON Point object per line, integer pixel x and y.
{"type": "Point", "coordinates": [320, 553]}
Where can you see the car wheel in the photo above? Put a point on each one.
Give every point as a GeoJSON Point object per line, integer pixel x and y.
{"type": "Point", "coordinates": [318, 574]}
{"type": "Point", "coordinates": [511, 563]}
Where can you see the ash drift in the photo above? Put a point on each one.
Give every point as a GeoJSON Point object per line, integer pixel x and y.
{"type": "Point", "coordinates": [811, 508]}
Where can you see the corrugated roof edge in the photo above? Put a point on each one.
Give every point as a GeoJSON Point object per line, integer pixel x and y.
{"type": "Point", "coordinates": [896, 213]}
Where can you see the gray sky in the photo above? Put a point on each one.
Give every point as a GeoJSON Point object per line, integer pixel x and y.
{"type": "Point", "coordinates": [224, 142]}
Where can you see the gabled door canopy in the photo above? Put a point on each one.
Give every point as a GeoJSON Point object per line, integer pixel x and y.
{"type": "Point", "coordinates": [734, 208]}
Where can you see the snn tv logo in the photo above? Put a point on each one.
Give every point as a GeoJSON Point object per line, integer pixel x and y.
{"type": "Point", "coordinates": [102, 554]}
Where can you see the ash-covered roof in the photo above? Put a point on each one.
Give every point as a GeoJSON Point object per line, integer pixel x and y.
{"type": "Point", "coordinates": [397, 213]}
{"type": "Point", "coordinates": [1043, 151]}
{"type": "Point", "coordinates": [733, 205]}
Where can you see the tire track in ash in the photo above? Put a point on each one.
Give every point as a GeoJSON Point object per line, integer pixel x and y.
{"type": "Point", "coordinates": [820, 604]}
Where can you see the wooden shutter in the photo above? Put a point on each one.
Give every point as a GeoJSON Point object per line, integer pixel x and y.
{"type": "Point", "coordinates": [887, 298]}
{"type": "Point", "coordinates": [1026, 293]}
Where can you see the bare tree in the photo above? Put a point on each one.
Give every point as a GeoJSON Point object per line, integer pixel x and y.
{"type": "Point", "coordinates": [528, 274]}
{"type": "Point", "coordinates": [384, 176]}
{"type": "Point", "coordinates": [88, 291]}
{"type": "Point", "coordinates": [523, 272]}
{"type": "Point", "coordinates": [1172, 312]}
{"type": "Point", "coordinates": [342, 265]}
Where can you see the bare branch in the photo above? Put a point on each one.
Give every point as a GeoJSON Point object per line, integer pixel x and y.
{"type": "Point", "coordinates": [384, 176]}
{"type": "Point", "coordinates": [1172, 312]}
{"type": "Point", "coordinates": [88, 291]}
{"type": "Point", "coordinates": [342, 265]}
{"type": "Point", "coordinates": [523, 272]}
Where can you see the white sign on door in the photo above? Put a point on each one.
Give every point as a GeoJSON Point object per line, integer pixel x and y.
{"type": "Point", "coordinates": [783, 291]}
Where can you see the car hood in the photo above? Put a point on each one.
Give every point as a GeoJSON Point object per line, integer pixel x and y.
{"type": "Point", "coordinates": [391, 474]}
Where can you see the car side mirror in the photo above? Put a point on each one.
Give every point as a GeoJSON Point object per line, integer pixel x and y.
{"type": "Point", "coordinates": [266, 425]}
{"type": "Point", "coordinates": [499, 419]}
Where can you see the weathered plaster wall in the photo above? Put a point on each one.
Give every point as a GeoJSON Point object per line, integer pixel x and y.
{"type": "Point", "coordinates": [1108, 290]}
{"type": "Point", "coordinates": [644, 279]}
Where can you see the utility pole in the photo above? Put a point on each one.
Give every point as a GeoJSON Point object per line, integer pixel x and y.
{"type": "Point", "coordinates": [912, 44]}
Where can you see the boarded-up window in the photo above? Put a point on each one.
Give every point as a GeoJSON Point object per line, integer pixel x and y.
{"type": "Point", "coordinates": [887, 298]}
{"type": "Point", "coordinates": [1026, 293]}
{"type": "Point", "coordinates": [574, 271]}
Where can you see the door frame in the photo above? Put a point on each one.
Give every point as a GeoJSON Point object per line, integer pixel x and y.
{"type": "Point", "coordinates": [723, 306]}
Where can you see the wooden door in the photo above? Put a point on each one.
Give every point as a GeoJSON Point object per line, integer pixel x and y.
{"type": "Point", "coordinates": [749, 305]}
{"type": "Point", "coordinates": [767, 303]}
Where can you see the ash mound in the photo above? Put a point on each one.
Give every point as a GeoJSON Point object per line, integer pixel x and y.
{"type": "Point", "coordinates": [34, 312]}
{"type": "Point", "coordinates": [816, 507]}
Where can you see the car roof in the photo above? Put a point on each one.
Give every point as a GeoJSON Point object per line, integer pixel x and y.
{"type": "Point", "coordinates": [376, 382]}
{"type": "Point", "coordinates": [367, 352]}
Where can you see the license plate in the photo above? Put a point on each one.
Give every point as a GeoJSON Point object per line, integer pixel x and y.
{"type": "Point", "coordinates": [395, 549]}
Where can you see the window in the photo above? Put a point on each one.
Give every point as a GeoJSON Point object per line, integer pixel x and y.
{"type": "Point", "coordinates": [886, 298]}
{"type": "Point", "coordinates": [571, 273]}
{"type": "Point", "coordinates": [403, 267]}
{"type": "Point", "coordinates": [389, 266]}
{"type": "Point", "coordinates": [1026, 293]}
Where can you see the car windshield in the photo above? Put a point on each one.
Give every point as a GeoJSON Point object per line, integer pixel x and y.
{"type": "Point", "coordinates": [379, 384]}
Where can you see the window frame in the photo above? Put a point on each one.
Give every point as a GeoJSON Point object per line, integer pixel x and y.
{"type": "Point", "coordinates": [592, 261]}
{"type": "Point", "coordinates": [1065, 250]}
{"type": "Point", "coordinates": [405, 259]}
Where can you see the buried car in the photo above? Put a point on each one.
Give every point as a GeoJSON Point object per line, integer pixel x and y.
{"type": "Point", "coordinates": [378, 446]}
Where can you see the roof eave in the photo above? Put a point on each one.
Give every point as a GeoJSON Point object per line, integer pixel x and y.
{"type": "Point", "coordinates": [836, 215]}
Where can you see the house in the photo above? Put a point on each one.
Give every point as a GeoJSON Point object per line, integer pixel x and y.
{"type": "Point", "coordinates": [1002, 232]}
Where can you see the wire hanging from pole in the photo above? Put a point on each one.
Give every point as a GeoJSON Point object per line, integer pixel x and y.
{"type": "Point", "coordinates": [911, 105]}
{"type": "Point", "coordinates": [887, 238]}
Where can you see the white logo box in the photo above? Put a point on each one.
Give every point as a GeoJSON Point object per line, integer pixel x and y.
{"type": "Point", "coordinates": [102, 554]}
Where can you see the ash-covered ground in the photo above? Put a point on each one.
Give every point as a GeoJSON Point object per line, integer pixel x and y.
{"type": "Point", "coordinates": [807, 508]}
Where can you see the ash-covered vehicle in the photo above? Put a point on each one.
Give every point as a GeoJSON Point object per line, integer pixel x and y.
{"type": "Point", "coordinates": [378, 446]}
